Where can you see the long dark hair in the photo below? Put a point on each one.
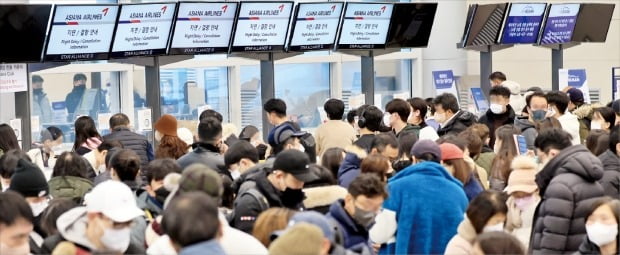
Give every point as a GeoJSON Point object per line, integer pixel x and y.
{"type": "Point", "coordinates": [462, 171]}
{"type": "Point", "coordinates": [501, 163]}
{"type": "Point", "coordinates": [70, 164]}
{"type": "Point", "coordinates": [170, 147]}
{"type": "Point", "coordinates": [8, 140]}
{"type": "Point", "coordinates": [84, 128]}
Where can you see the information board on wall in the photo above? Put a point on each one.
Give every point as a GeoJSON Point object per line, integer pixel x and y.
{"type": "Point", "coordinates": [262, 26]}
{"type": "Point", "coordinates": [143, 30]}
{"type": "Point", "coordinates": [13, 78]}
{"type": "Point", "coordinates": [315, 26]}
{"type": "Point", "coordinates": [575, 78]}
{"type": "Point", "coordinates": [365, 26]}
{"type": "Point", "coordinates": [445, 83]}
{"type": "Point", "coordinates": [203, 28]}
{"type": "Point", "coordinates": [560, 23]}
{"type": "Point", "coordinates": [523, 23]}
{"type": "Point", "coordinates": [81, 32]}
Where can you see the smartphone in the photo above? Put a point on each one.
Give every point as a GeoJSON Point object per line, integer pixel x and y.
{"type": "Point", "coordinates": [521, 144]}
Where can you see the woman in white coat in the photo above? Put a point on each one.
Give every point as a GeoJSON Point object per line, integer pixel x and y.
{"type": "Point", "coordinates": [42, 154]}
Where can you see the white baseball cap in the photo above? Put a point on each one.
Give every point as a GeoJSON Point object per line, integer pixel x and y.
{"type": "Point", "coordinates": [113, 199]}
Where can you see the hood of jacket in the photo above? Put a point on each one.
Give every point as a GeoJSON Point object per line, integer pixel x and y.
{"type": "Point", "coordinates": [577, 160]}
{"type": "Point", "coordinates": [337, 211]}
{"type": "Point", "coordinates": [323, 196]}
{"type": "Point", "coordinates": [585, 111]}
{"type": "Point", "coordinates": [610, 160]}
{"type": "Point", "coordinates": [72, 227]}
{"type": "Point", "coordinates": [265, 187]}
{"type": "Point", "coordinates": [201, 147]}
{"type": "Point", "coordinates": [425, 168]}
{"type": "Point", "coordinates": [466, 230]}
{"type": "Point", "coordinates": [462, 117]}
{"type": "Point", "coordinates": [523, 124]}
{"type": "Point", "coordinates": [260, 167]}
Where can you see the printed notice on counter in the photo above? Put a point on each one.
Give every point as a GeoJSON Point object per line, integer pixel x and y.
{"type": "Point", "coordinates": [203, 28]}
{"type": "Point", "coordinates": [560, 23]}
{"type": "Point", "coordinates": [523, 23]}
{"type": "Point", "coordinates": [316, 26]}
{"type": "Point", "coordinates": [81, 32]}
{"type": "Point", "coordinates": [143, 30]}
{"type": "Point", "coordinates": [262, 26]}
{"type": "Point", "coordinates": [365, 26]}
{"type": "Point", "coordinates": [13, 78]}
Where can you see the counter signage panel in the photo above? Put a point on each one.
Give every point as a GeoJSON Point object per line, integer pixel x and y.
{"type": "Point", "coordinates": [365, 26]}
{"type": "Point", "coordinates": [262, 26]}
{"type": "Point", "coordinates": [316, 26]}
{"type": "Point", "coordinates": [560, 24]}
{"type": "Point", "coordinates": [523, 23]}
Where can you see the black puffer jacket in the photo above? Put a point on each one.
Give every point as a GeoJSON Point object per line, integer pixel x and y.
{"type": "Point", "coordinates": [611, 177]}
{"type": "Point", "coordinates": [458, 124]}
{"type": "Point", "coordinates": [568, 185]}
{"type": "Point", "coordinates": [590, 248]}
{"type": "Point", "coordinates": [133, 141]}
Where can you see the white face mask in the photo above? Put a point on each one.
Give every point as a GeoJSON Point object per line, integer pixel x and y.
{"type": "Point", "coordinates": [602, 234]}
{"type": "Point", "coordinates": [386, 119]}
{"type": "Point", "coordinates": [116, 239]}
{"type": "Point", "coordinates": [301, 148]}
{"type": "Point", "coordinates": [497, 227]}
{"type": "Point", "coordinates": [440, 117]}
{"type": "Point", "coordinates": [38, 208]}
{"type": "Point", "coordinates": [595, 125]}
{"type": "Point", "coordinates": [497, 108]}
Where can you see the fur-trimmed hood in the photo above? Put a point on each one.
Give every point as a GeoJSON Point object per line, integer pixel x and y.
{"type": "Point", "coordinates": [359, 152]}
{"type": "Point", "coordinates": [322, 196]}
{"type": "Point", "coordinates": [586, 110]}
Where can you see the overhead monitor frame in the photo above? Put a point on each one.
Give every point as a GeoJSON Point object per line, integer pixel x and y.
{"type": "Point", "coordinates": [260, 48]}
{"type": "Point", "coordinates": [340, 46]}
{"type": "Point", "coordinates": [313, 47]}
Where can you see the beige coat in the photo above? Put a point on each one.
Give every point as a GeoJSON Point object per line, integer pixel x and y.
{"type": "Point", "coordinates": [334, 133]}
{"type": "Point", "coordinates": [462, 242]}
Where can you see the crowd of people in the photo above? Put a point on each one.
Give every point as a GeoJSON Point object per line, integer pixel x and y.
{"type": "Point", "coordinates": [423, 177]}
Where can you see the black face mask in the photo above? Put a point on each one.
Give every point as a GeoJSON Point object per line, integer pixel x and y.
{"type": "Point", "coordinates": [160, 196]}
{"type": "Point", "coordinates": [400, 165]}
{"type": "Point", "coordinates": [37, 91]}
{"type": "Point", "coordinates": [292, 198]}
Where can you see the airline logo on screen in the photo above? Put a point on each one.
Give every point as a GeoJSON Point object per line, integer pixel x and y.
{"type": "Point", "coordinates": [560, 24]}
{"type": "Point", "coordinates": [262, 26]}
{"type": "Point", "coordinates": [73, 19]}
{"type": "Point", "coordinates": [135, 17]}
{"type": "Point", "coordinates": [360, 15]}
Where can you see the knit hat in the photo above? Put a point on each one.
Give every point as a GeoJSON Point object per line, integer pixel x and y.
{"type": "Point", "coordinates": [198, 177]}
{"type": "Point", "coordinates": [523, 177]}
{"type": "Point", "coordinates": [29, 180]}
{"type": "Point", "coordinates": [450, 151]}
{"type": "Point", "coordinates": [425, 146]}
{"type": "Point", "coordinates": [167, 125]}
{"type": "Point", "coordinates": [576, 96]}
{"type": "Point", "coordinates": [301, 239]}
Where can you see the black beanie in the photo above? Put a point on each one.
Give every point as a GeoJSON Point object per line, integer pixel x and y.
{"type": "Point", "coordinates": [29, 180]}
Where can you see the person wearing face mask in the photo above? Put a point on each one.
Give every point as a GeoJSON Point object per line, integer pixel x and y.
{"type": "Point", "coordinates": [398, 112]}
{"type": "Point", "coordinates": [40, 102]}
{"type": "Point", "coordinates": [15, 225]}
{"type": "Point", "coordinates": [611, 163]}
{"type": "Point", "coordinates": [153, 198]}
{"type": "Point", "coordinates": [604, 118]}
{"type": "Point", "coordinates": [523, 198]}
{"type": "Point", "coordinates": [420, 219]}
{"type": "Point", "coordinates": [75, 97]}
{"type": "Point", "coordinates": [451, 119]}
{"type": "Point", "coordinates": [241, 157]}
{"type": "Point", "coordinates": [354, 215]}
{"type": "Point", "coordinates": [102, 226]}
{"type": "Point", "coordinates": [170, 145]}
{"type": "Point", "coordinates": [43, 153]}
{"type": "Point", "coordinates": [537, 108]}
{"type": "Point", "coordinates": [417, 118]}
{"type": "Point", "coordinates": [558, 105]}
{"type": "Point", "coordinates": [384, 144]}
{"type": "Point", "coordinates": [500, 113]}
{"type": "Point", "coordinates": [602, 228]}
{"type": "Point", "coordinates": [29, 181]}
{"type": "Point", "coordinates": [486, 213]}
{"type": "Point", "coordinates": [568, 184]}
{"type": "Point", "coordinates": [280, 186]}
{"type": "Point", "coordinates": [207, 150]}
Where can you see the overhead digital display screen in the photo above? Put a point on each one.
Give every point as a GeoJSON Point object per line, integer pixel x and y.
{"type": "Point", "coordinates": [365, 26]}
{"type": "Point", "coordinates": [315, 26]}
{"type": "Point", "coordinates": [262, 26]}
{"type": "Point", "coordinates": [143, 30]}
{"type": "Point", "coordinates": [560, 24]}
{"type": "Point", "coordinates": [81, 32]}
{"type": "Point", "coordinates": [23, 29]}
{"type": "Point", "coordinates": [523, 23]}
{"type": "Point", "coordinates": [411, 25]}
{"type": "Point", "coordinates": [203, 28]}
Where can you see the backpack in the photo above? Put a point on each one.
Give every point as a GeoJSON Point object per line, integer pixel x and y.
{"type": "Point", "coordinates": [249, 188]}
{"type": "Point", "coordinates": [307, 140]}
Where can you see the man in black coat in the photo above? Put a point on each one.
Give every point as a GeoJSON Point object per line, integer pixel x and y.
{"type": "Point", "coordinates": [499, 113]}
{"type": "Point", "coordinates": [119, 125]}
{"type": "Point", "coordinates": [568, 185]}
{"type": "Point", "coordinates": [611, 164]}
{"type": "Point", "coordinates": [452, 120]}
